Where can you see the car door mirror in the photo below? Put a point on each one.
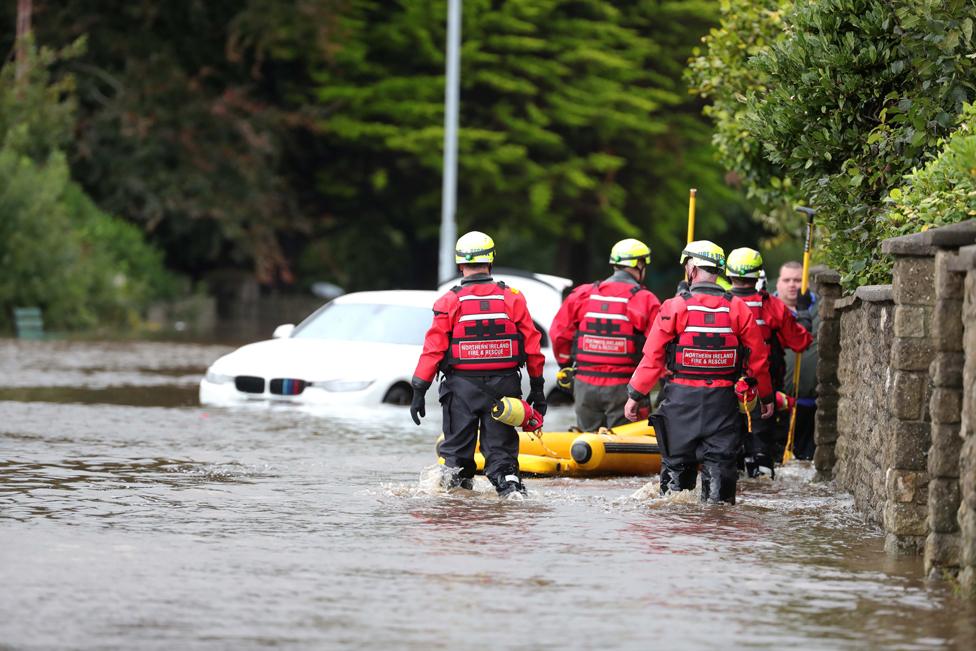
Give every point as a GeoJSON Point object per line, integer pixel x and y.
{"type": "Point", "coordinates": [283, 331]}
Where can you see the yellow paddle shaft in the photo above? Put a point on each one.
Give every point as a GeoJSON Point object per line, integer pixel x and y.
{"type": "Point", "coordinates": [691, 214]}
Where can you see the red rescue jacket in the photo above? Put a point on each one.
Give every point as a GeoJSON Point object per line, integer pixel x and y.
{"type": "Point", "coordinates": [480, 326]}
{"type": "Point", "coordinates": [603, 326]}
{"type": "Point", "coordinates": [705, 337]}
{"type": "Point", "coordinates": [484, 336]}
{"type": "Point", "coordinates": [779, 328]}
{"type": "Point", "coordinates": [707, 348]}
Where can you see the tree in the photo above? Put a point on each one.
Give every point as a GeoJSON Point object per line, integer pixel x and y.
{"type": "Point", "coordinates": [576, 131]}
{"type": "Point", "coordinates": [83, 267]}
{"type": "Point", "coordinates": [852, 97]}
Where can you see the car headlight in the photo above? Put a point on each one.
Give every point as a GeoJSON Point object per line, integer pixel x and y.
{"type": "Point", "coordinates": [343, 385]}
{"type": "Point", "coordinates": [217, 378]}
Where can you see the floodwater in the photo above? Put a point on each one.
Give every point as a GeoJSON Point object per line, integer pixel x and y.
{"type": "Point", "coordinates": [133, 518]}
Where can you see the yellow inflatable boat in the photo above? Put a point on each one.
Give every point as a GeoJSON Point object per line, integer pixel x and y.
{"type": "Point", "coordinates": [626, 450]}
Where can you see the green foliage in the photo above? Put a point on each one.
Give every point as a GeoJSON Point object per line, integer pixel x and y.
{"type": "Point", "coordinates": [58, 251]}
{"type": "Point", "coordinates": [309, 135]}
{"type": "Point", "coordinates": [941, 192]}
{"type": "Point", "coordinates": [723, 73]}
{"type": "Point", "coordinates": [575, 131]}
{"type": "Point", "coordinates": [176, 132]}
{"type": "Point", "coordinates": [851, 97]}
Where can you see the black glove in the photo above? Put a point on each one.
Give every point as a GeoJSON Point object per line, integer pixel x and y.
{"type": "Point", "coordinates": [804, 301]}
{"type": "Point", "coordinates": [537, 394]}
{"type": "Point", "coordinates": [805, 319]}
{"type": "Point", "coordinates": [418, 406]}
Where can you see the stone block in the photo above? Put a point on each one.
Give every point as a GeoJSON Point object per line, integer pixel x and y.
{"type": "Point", "coordinates": [909, 445]}
{"type": "Point", "coordinates": [828, 336]}
{"type": "Point", "coordinates": [824, 458]}
{"type": "Point", "coordinates": [905, 519]}
{"type": "Point", "coordinates": [902, 486]}
{"type": "Point", "coordinates": [826, 367]}
{"type": "Point", "coordinates": [945, 405]}
{"type": "Point", "coordinates": [874, 293]}
{"type": "Point", "coordinates": [897, 545]}
{"type": "Point", "coordinates": [967, 529]}
{"type": "Point", "coordinates": [826, 279]}
{"type": "Point", "coordinates": [913, 354]}
{"type": "Point", "coordinates": [947, 326]}
{"type": "Point", "coordinates": [828, 308]}
{"type": "Point", "coordinates": [907, 395]}
{"type": "Point", "coordinates": [949, 282]}
{"type": "Point", "coordinates": [911, 321]}
{"type": "Point", "coordinates": [967, 582]}
{"type": "Point", "coordinates": [953, 236]}
{"type": "Point", "coordinates": [964, 260]}
{"type": "Point", "coordinates": [914, 281]}
{"type": "Point", "coordinates": [944, 451]}
{"type": "Point", "coordinates": [943, 502]}
{"type": "Point", "coordinates": [942, 554]}
{"type": "Point", "coordinates": [914, 244]}
{"type": "Point", "coordinates": [946, 370]}
{"type": "Point", "coordinates": [824, 434]}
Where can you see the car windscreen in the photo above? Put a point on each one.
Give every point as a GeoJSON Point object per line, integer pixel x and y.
{"type": "Point", "coordinates": [377, 322]}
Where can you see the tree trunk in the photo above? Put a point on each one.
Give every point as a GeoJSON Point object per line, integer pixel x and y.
{"type": "Point", "coordinates": [23, 31]}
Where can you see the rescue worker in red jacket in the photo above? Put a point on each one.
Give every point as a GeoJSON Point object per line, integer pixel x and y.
{"type": "Point", "coordinates": [602, 327]}
{"type": "Point", "coordinates": [481, 335]}
{"type": "Point", "coordinates": [704, 339]}
{"type": "Point", "coordinates": [780, 331]}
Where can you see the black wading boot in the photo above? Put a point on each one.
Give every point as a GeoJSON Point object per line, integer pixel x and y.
{"type": "Point", "coordinates": [507, 483]}
{"type": "Point", "coordinates": [718, 484]}
{"type": "Point", "coordinates": [676, 478]}
{"type": "Point", "coordinates": [457, 478]}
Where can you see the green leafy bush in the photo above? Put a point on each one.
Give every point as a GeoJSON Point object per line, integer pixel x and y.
{"type": "Point", "coordinates": [944, 190]}
{"type": "Point", "coordinates": [58, 251]}
{"type": "Point", "coordinates": [852, 96]}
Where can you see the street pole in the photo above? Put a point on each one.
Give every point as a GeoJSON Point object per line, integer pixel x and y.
{"type": "Point", "coordinates": [447, 268]}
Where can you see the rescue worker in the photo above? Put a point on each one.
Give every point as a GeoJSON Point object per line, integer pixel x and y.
{"type": "Point", "coordinates": [481, 335]}
{"type": "Point", "coordinates": [704, 339]}
{"type": "Point", "coordinates": [780, 331]}
{"type": "Point", "coordinates": [601, 327]}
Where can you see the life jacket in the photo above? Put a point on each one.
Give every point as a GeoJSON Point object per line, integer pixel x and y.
{"type": "Point", "coordinates": [484, 337]}
{"type": "Point", "coordinates": [707, 349]}
{"type": "Point", "coordinates": [605, 336]}
{"type": "Point", "coordinates": [777, 356]}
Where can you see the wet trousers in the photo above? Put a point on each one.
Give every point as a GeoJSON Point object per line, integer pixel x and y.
{"type": "Point", "coordinates": [599, 406]}
{"type": "Point", "coordinates": [765, 445]}
{"type": "Point", "coordinates": [803, 443]}
{"type": "Point", "coordinates": [701, 426]}
{"type": "Point", "coordinates": [467, 412]}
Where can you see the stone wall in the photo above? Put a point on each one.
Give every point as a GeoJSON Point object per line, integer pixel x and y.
{"type": "Point", "coordinates": [966, 515]}
{"type": "Point", "coordinates": [897, 407]}
{"type": "Point", "coordinates": [863, 423]}
{"type": "Point", "coordinates": [826, 284]}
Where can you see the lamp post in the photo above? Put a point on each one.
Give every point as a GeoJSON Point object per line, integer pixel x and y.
{"type": "Point", "coordinates": [449, 189]}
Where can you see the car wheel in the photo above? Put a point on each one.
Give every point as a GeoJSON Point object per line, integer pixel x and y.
{"type": "Point", "coordinates": [398, 394]}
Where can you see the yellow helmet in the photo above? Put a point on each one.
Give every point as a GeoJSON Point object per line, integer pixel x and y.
{"type": "Point", "coordinates": [474, 248]}
{"type": "Point", "coordinates": [744, 263]}
{"type": "Point", "coordinates": [723, 282]}
{"type": "Point", "coordinates": [703, 253]}
{"type": "Point", "coordinates": [627, 253]}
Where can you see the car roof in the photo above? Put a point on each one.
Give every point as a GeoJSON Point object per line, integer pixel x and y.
{"type": "Point", "coordinates": [409, 297]}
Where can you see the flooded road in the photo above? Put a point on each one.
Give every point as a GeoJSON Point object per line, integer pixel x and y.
{"type": "Point", "coordinates": [132, 518]}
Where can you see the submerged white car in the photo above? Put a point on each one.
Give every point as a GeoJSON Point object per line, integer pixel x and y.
{"type": "Point", "coordinates": [360, 348]}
